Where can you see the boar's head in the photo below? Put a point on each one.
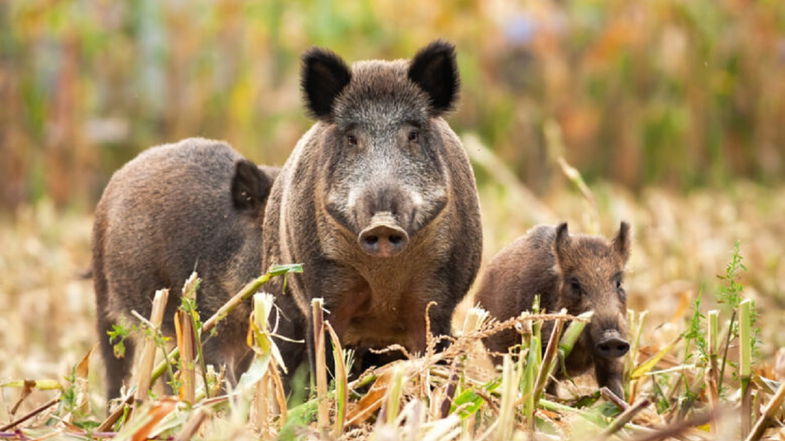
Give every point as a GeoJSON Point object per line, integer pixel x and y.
{"type": "Point", "coordinates": [384, 177]}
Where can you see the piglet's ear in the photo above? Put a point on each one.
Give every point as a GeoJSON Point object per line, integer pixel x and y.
{"type": "Point", "coordinates": [250, 186]}
{"type": "Point", "coordinates": [621, 243]}
{"type": "Point", "coordinates": [324, 75]}
{"type": "Point", "coordinates": [435, 71]}
{"type": "Point", "coordinates": [562, 242]}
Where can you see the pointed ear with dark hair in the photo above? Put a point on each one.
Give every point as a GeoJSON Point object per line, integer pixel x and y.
{"type": "Point", "coordinates": [562, 242]}
{"type": "Point", "coordinates": [435, 71]}
{"type": "Point", "coordinates": [324, 75]}
{"type": "Point", "coordinates": [250, 186]}
{"type": "Point", "coordinates": [621, 243]}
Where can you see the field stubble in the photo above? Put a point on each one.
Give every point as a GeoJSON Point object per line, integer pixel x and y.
{"type": "Point", "coordinates": [682, 243]}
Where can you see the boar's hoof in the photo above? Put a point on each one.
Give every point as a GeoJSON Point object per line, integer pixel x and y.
{"type": "Point", "coordinates": [612, 347]}
{"type": "Point", "coordinates": [383, 240]}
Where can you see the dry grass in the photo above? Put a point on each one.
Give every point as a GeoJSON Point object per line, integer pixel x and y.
{"type": "Point", "coordinates": [682, 243]}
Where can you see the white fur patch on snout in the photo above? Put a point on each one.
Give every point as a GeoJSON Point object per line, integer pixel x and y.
{"type": "Point", "coordinates": [383, 218]}
{"type": "Point", "coordinates": [351, 199]}
{"type": "Point", "coordinates": [416, 197]}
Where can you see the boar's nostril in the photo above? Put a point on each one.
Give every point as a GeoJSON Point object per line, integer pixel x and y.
{"type": "Point", "coordinates": [371, 240]}
{"type": "Point", "coordinates": [613, 347]}
{"type": "Point", "coordinates": [383, 240]}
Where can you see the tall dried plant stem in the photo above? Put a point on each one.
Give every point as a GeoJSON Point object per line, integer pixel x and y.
{"type": "Point", "coordinates": [317, 315]}
{"type": "Point", "coordinates": [267, 394]}
{"type": "Point", "coordinates": [511, 378]}
{"type": "Point", "coordinates": [147, 359]}
{"type": "Point", "coordinates": [185, 342]}
{"type": "Point", "coordinates": [549, 359]}
{"type": "Point", "coordinates": [184, 333]}
{"type": "Point", "coordinates": [341, 382]}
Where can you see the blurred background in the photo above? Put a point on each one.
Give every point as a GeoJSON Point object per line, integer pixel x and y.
{"type": "Point", "coordinates": [673, 111]}
{"type": "Point", "coordinates": [668, 92]}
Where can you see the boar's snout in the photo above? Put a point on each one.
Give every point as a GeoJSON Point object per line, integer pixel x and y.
{"type": "Point", "coordinates": [383, 237]}
{"type": "Point", "coordinates": [612, 345]}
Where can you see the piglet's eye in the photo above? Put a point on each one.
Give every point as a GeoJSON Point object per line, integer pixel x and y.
{"type": "Point", "coordinates": [351, 139]}
{"type": "Point", "coordinates": [414, 135]}
{"type": "Point", "coordinates": [618, 280]}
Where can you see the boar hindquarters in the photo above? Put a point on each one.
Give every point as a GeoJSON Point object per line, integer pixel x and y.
{"type": "Point", "coordinates": [195, 205]}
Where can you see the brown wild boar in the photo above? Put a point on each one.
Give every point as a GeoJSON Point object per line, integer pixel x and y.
{"type": "Point", "coordinates": [378, 201]}
{"type": "Point", "coordinates": [195, 205]}
{"type": "Point", "coordinates": [579, 273]}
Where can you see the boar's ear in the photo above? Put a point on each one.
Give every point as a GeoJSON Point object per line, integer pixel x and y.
{"type": "Point", "coordinates": [621, 243]}
{"type": "Point", "coordinates": [250, 186]}
{"type": "Point", "coordinates": [435, 71]}
{"type": "Point", "coordinates": [324, 75]}
{"type": "Point", "coordinates": [562, 241]}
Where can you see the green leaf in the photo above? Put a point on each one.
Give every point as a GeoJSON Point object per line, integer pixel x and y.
{"type": "Point", "coordinates": [277, 270]}
{"type": "Point", "coordinates": [469, 403]}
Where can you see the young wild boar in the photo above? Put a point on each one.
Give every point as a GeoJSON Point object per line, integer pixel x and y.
{"type": "Point", "coordinates": [379, 203]}
{"type": "Point", "coordinates": [579, 273]}
{"type": "Point", "coordinates": [195, 205]}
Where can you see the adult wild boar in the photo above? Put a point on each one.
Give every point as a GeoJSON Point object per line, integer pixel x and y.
{"type": "Point", "coordinates": [579, 273]}
{"type": "Point", "coordinates": [195, 205]}
{"type": "Point", "coordinates": [378, 201]}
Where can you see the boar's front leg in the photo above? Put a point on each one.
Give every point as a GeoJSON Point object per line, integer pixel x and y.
{"type": "Point", "coordinates": [453, 280]}
{"type": "Point", "coordinates": [441, 321]}
{"type": "Point", "coordinates": [608, 373]}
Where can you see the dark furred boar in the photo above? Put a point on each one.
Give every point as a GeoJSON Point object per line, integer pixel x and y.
{"type": "Point", "coordinates": [378, 201]}
{"type": "Point", "coordinates": [195, 205]}
{"type": "Point", "coordinates": [579, 273]}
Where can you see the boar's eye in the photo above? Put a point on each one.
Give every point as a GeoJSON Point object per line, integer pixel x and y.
{"type": "Point", "coordinates": [414, 135]}
{"type": "Point", "coordinates": [351, 139]}
{"type": "Point", "coordinates": [575, 285]}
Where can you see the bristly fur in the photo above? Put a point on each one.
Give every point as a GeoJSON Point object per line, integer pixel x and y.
{"type": "Point", "coordinates": [196, 204]}
{"type": "Point", "coordinates": [578, 273]}
{"type": "Point", "coordinates": [324, 75]}
{"type": "Point", "coordinates": [380, 155]}
{"type": "Point", "coordinates": [434, 69]}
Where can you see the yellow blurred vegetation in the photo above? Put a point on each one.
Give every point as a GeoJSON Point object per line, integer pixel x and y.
{"type": "Point", "coordinates": [672, 92]}
{"type": "Point", "coordinates": [672, 110]}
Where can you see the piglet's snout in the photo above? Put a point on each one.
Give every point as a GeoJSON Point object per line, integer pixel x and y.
{"type": "Point", "coordinates": [612, 345]}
